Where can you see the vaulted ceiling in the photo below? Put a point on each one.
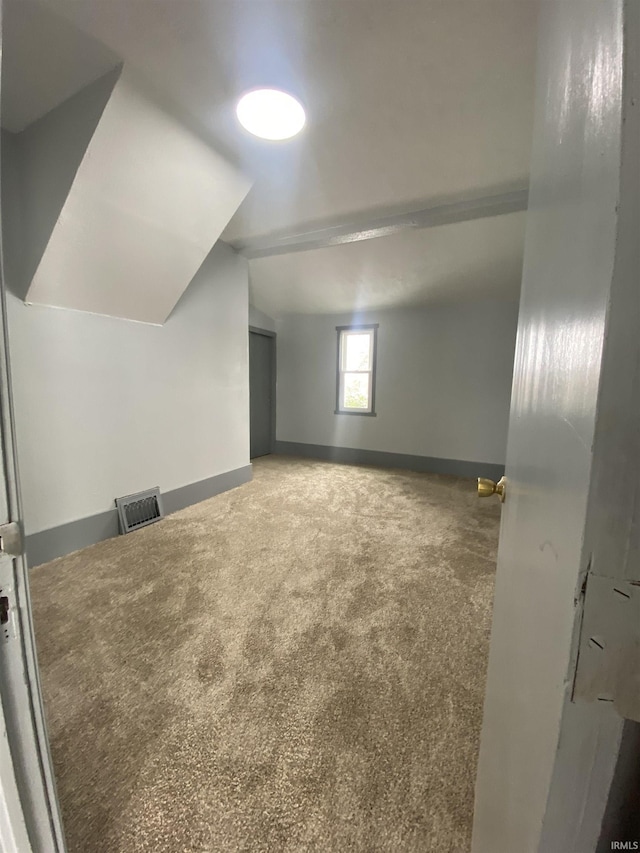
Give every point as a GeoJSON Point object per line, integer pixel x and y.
{"type": "Point", "coordinates": [410, 104]}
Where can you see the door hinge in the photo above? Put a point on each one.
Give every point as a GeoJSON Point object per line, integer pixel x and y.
{"type": "Point", "coordinates": [11, 539]}
{"type": "Point", "coordinates": [608, 666]}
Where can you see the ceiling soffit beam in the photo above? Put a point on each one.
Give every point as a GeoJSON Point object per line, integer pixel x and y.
{"type": "Point", "coordinates": [384, 226]}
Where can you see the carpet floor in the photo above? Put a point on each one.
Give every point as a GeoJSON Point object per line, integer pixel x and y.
{"type": "Point", "coordinates": [295, 665]}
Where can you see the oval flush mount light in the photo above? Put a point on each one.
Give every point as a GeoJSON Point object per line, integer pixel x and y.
{"type": "Point", "coordinates": [270, 114]}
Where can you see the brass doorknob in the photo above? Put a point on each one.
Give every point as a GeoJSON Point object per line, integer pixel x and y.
{"type": "Point", "coordinates": [487, 487]}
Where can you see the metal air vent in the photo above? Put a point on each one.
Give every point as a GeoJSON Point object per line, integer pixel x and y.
{"type": "Point", "coordinates": [135, 511]}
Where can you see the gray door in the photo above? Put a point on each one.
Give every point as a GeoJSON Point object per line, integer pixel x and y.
{"type": "Point", "coordinates": [261, 364]}
{"type": "Point", "coordinates": [569, 520]}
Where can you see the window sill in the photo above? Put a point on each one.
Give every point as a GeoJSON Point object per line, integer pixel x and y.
{"type": "Point", "coordinates": [361, 414]}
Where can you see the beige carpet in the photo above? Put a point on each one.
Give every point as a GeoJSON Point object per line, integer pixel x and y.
{"type": "Point", "coordinates": [296, 665]}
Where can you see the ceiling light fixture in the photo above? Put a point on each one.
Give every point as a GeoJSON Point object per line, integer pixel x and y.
{"type": "Point", "coordinates": [270, 114]}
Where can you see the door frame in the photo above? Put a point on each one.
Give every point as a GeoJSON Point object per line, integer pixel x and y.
{"type": "Point", "coordinates": [267, 333]}
{"type": "Point", "coordinates": [30, 819]}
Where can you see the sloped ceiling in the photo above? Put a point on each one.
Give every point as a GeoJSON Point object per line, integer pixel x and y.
{"type": "Point", "coordinates": [148, 201]}
{"type": "Point", "coordinates": [47, 156]}
{"type": "Point", "coordinates": [408, 102]}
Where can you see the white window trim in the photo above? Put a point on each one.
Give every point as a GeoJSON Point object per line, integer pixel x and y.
{"type": "Point", "coordinates": [372, 329]}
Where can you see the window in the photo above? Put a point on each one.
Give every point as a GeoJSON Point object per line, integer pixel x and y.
{"type": "Point", "coordinates": [356, 370]}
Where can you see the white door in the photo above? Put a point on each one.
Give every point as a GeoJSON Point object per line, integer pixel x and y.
{"type": "Point", "coordinates": [547, 756]}
{"type": "Point", "coordinates": [29, 815]}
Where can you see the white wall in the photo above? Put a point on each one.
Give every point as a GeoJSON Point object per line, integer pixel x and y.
{"type": "Point", "coordinates": [443, 382]}
{"type": "Point", "coordinates": [105, 407]}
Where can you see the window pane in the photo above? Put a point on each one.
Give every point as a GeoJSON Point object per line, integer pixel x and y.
{"type": "Point", "coordinates": [356, 391]}
{"type": "Point", "coordinates": [357, 354]}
